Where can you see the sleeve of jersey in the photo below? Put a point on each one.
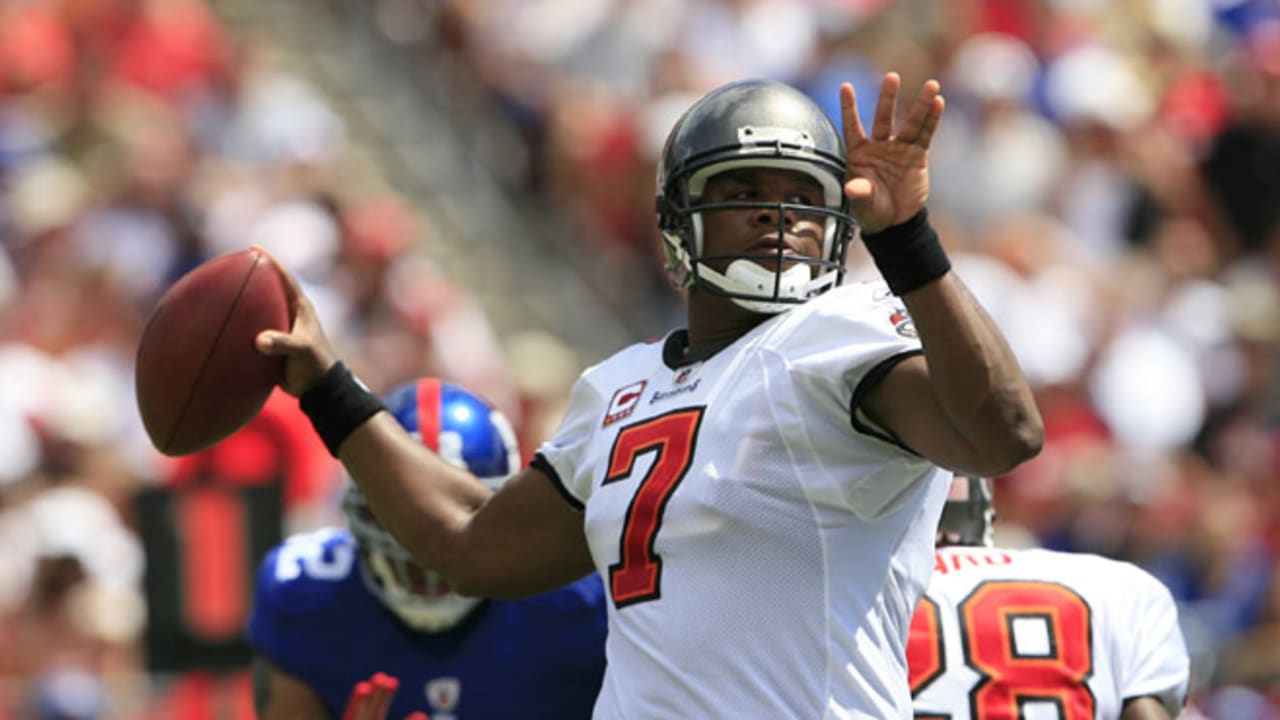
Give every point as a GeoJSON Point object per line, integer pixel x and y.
{"type": "Point", "coordinates": [848, 345]}
{"type": "Point", "coordinates": [831, 355]}
{"type": "Point", "coordinates": [264, 631]}
{"type": "Point", "coordinates": [1155, 660]}
{"type": "Point", "coordinates": [561, 456]}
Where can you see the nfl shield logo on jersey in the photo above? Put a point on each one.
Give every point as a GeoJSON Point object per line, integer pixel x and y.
{"type": "Point", "coordinates": [442, 696]}
{"type": "Point", "coordinates": [902, 323]}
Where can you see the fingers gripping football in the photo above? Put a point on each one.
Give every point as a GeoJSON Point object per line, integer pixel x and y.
{"type": "Point", "coordinates": [304, 348]}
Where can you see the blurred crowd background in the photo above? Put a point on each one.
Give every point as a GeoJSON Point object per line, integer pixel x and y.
{"type": "Point", "coordinates": [465, 187]}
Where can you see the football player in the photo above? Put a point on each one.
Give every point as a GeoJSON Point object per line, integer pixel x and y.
{"type": "Point", "coordinates": [336, 608]}
{"type": "Point", "coordinates": [758, 490]}
{"type": "Point", "coordinates": [1008, 634]}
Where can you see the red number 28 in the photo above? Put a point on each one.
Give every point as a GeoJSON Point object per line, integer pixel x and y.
{"type": "Point", "coordinates": [988, 624]}
{"type": "Point", "coordinates": [637, 575]}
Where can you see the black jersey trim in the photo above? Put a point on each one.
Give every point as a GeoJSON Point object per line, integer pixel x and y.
{"type": "Point", "coordinates": [541, 463]}
{"type": "Point", "coordinates": [866, 385]}
{"type": "Point", "coordinates": [675, 350]}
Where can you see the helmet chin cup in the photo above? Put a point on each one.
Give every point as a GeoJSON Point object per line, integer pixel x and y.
{"type": "Point", "coordinates": [426, 614]}
{"type": "Point", "coordinates": [750, 286]}
{"type": "Point", "coordinates": [447, 612]}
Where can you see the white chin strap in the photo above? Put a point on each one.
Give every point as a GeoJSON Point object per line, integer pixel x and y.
{"type": "Point", "coordinates": [745, 277]}
{"type": "Point", "coordinates": [420, 613]}
{"type": "Point", "coordinates": [434, 615]}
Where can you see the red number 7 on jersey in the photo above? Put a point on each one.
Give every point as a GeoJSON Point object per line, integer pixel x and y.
{"type": "Point", "coordinates": [637, 575]}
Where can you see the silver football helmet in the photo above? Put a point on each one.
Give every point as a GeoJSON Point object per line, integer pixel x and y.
{"type": "Point", "coordinates": [753, 123]}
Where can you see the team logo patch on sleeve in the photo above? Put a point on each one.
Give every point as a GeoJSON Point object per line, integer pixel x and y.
{"type": "Point", "coordinates": [902, 323]}
{"type": "Point", "coordinates": [624, 402]}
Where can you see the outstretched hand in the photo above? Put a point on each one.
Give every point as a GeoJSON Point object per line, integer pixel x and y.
{"type": "Point", "coordinates": [370, 699]}
{"type": "Point", "coordinates": [888, 178]}
{"type": "Point", "coordinates": [305, 349]}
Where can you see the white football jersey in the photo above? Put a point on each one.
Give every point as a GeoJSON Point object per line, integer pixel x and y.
{"type": "Point", "coordinates": [1042, 635]}
{"type": "Point", "coordinates": [763, 548]}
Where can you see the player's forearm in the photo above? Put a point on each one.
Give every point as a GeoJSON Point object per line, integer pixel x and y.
{"type": "Point", "coordinates": [423, 500]}
{"type": "Point", "coordinates": [484, 544]}
{"type": "Point", "coordinates": [974, 375]}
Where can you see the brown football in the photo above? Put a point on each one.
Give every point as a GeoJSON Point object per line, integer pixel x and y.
{"type": "Point", "coordinates": [198, 376]}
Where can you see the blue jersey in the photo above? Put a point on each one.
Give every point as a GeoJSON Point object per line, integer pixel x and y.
{"type": "Point", "coordinates": [540, 657]}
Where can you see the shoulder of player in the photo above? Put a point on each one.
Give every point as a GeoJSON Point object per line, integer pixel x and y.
{"type": "Point", "coordinates": [1119, 589]}
{"type": "Point", "coordinates": [953, 561]}
{"type": "Point", "coordinates": [1093, 564]}
{"type": "Point", "coordinates": [852, 299]}
{"type": "Point", "coordinates": [1124, 574]}
{"type": "Point", "coordinates": [285, 582]}
{"type": "Point", "coordinates": [1096, 569]}
{"type": "Point", "coordinates": [631, 364]}
{"type": "Point", "coordinates": [645, 349]}
{"type": "Point", "coordinates": [868, 305]}
{"type": "Point", "coordinates": [1028, 560]}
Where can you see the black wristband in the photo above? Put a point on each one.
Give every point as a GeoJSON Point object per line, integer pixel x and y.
{"type": "Point", "coordinates": [908, 255]}
{"type": "Point", "coordinates": [337, 404]}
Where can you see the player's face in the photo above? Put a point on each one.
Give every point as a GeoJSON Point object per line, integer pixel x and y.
{"type": "Point", "coordinates": [760, 232]}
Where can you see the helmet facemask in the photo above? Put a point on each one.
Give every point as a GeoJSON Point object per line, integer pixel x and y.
{"type": "Point", "coordinates": [968, 515]}
{"type": "Point", "coordinates": [420, 598]}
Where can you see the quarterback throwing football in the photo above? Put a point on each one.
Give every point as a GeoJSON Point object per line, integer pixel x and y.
{"type": "Point", "coordinates": [759, 490]}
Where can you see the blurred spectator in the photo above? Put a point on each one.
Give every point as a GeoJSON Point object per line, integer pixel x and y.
{"type": "Point", "coordinates": [136, 141]}
{"type": "Point", "coordinates": [175, 50]}
{"type": "Point", "coordinates": [204, 530]}
{"type": "Point", "coordinates": [997, 155]}
{"type": "Point", "coordinates": [1240, 169]}
{"type": "Point", "coordinates": [544, 370]}
{"type": "Point", "coordinates": [81, 613]}
{"type": "Point", "coordinates": [406, 318]}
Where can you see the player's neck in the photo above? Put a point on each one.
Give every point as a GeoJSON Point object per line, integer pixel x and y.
{"type": "Point", "coordinates": [715, 323]}
{"type": "Point", "coordinates": [705, 349]}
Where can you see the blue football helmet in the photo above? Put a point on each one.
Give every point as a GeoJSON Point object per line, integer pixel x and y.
{"type": "Point", "coordinates": [465, 431]}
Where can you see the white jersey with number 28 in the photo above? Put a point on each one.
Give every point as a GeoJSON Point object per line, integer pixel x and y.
{"type": "Point", "coordinates": [1042, 635]}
